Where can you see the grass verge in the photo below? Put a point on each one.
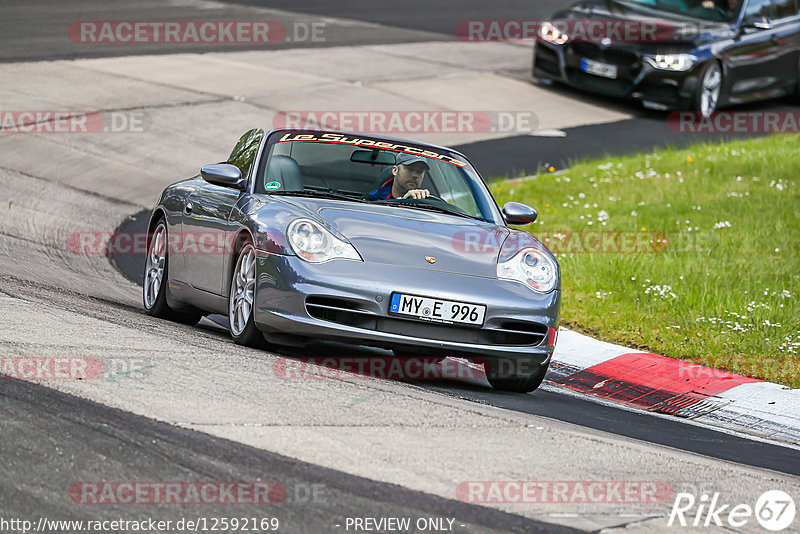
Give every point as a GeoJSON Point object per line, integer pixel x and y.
{"type": "Point", "coordinates": [689, 253]}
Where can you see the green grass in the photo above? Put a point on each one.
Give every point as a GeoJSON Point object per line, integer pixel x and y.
{"type": "Point", "coordinates": [724, 297]}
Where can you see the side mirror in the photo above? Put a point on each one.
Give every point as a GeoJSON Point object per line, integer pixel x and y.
{"type": "Point", "coordinates": [519, 213]}
{"type": "Point", "coordinates": [757, 22]}
{"type": "Point", "coordinates": [223, 174]}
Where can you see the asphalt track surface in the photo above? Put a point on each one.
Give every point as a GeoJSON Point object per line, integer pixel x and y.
{"type": "Point", "coordinates": [440, 16]}
{"type": "Point", "coordinates": [34, 29]}
{"type": "Point", "coordinates": [81, 433]}
{"type": "Point", "coordinates": [50, 439]}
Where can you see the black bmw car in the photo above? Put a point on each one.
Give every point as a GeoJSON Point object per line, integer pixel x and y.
{"type": "Point", "coordinates": [674, 54]}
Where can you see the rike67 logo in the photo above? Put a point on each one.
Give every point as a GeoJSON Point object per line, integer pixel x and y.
{"type": "Point", "coordinates": [774, 510]}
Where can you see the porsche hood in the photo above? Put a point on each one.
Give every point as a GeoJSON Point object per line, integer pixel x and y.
{"type": "Point", "coordinates": [409, 237]}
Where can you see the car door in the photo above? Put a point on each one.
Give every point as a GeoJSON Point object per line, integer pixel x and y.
{"type": "Point", "coordinates": [757, 58]}
{"type": "Point", "coordinates": [207, 226]}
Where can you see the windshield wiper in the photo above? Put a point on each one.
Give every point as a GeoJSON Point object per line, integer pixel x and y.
{"type": "Point", "coordinates": [317, 194]}
{"type": "Point", "coordinates": [434, 207]}
{"type": "Point", "coordinates": [326, 189]}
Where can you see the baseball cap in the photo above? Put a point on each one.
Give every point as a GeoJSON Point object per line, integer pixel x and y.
{"type": "Point", "coordinates": [408, 159]}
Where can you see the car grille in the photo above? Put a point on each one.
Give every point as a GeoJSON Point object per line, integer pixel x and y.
{"type": "Point", "coordinates": [342, 311]}
{"type": "Point", "coordinates": [595, 52]}
{"type": "Point", "coordinates": [628, 68]}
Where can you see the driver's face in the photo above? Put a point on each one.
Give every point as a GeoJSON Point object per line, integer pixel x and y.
{"type": "Point", "coordinates": [409, 177]}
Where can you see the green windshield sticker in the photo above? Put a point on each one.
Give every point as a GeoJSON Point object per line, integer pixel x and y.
{"type": "Point", "coordinates": [273, 185]}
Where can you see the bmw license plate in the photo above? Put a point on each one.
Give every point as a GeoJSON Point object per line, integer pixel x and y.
{"type": "Point", "coordinates": [599, 69]}
{"type": "Point", "coordinates": [436, 310]}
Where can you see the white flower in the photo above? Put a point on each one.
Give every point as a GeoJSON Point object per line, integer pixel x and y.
{"type": "Point", "coordinates": [663, 292]}
{"type": "Point", "coordinates": [780, 184]}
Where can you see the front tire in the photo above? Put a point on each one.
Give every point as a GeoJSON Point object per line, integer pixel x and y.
{"type": "Point", "coordinates": [503, 375]}
{"type": "Point", "coordinates": [241, 300]}
{"type": "Point", "coordinates": [156, 279]}
{"type": "Point", "coordinates": [709, 88]}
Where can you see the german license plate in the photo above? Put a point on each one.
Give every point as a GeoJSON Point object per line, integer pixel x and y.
{"type": "Point", "coordinates": [599, 69]}
{"type": "Point", "coordinates": [436, 310]}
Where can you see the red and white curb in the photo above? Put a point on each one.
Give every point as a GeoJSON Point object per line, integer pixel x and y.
{"type": "Point", "coordinates": [674, 387]}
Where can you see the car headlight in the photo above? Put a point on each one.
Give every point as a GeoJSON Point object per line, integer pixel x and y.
{"type": "Point", "coordinates": [551, 34]}
{"type": "Point", "coordinates": [533, 267]}
{"type": "Point", "coordinates": [673, 62]}
{"type": "Point", "coordinates": [315, 244]}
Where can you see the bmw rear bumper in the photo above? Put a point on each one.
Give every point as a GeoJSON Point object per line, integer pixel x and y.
{"type": "Point", "coordinates": [348, 301]}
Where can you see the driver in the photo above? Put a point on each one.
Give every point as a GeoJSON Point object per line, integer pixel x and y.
{"type": "Point", "coordinates": [407, 174]}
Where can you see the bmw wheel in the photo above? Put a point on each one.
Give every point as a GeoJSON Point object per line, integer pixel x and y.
{"type": "Point", "coordinates": [518, 376]}
{"type": "Point", "coordinates": [709, 89]}
{"type": "Point", "coordinates": [156, 278]}
{"type": "Point", "coordinates": [241, 300]}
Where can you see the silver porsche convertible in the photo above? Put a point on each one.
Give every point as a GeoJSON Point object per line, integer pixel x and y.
{"type": "Point", "coordinates": [320, 235]}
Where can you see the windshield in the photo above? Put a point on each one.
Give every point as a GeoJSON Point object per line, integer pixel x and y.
{"type": "Point", "coordinates": [361, 169]}
{"type": "Point", "coordinates": [714, 10]}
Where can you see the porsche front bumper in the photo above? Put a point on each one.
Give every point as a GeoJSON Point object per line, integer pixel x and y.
{"type": "Point", "coordinates": [348, 301]}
